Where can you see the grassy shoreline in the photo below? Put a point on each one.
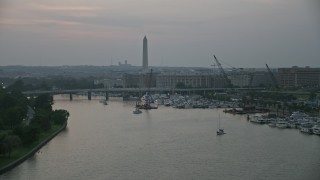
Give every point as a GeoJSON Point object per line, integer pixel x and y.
{"type": "Point", "coordinates": [24, 151]}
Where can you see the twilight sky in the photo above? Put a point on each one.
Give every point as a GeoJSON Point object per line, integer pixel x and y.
{"type": "Point", "coordinates": [242, 33]}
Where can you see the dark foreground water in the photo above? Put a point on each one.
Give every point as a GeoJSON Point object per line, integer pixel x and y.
{"type": "Point", "coordinates": [110, 142]}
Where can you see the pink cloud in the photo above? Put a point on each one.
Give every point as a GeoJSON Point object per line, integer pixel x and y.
{"type": "Point", "coordinates": [13, 22]}
{"type": "Point", "coordinates": [66, 29]}
{"type": "Point", "coordinates": [68, 10]}
{"type": "Point", "coordinates": [16, 21]}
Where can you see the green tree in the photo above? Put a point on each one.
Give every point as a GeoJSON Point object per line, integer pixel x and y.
{"type": "Point", "coordinates": [43, 101]}
{"type": "Point", "coordinates": [28, 134]}
{"type": "Point", "coordinates": [9, 143]}
{"type": "Point", "coordinates": [14, 116]}
{"type": "Point", "coordinates": [59, 116]}
{"type": "Point", "coordinates": [18, 85]}
{"type": "Point", "coordinates": [42, 119]}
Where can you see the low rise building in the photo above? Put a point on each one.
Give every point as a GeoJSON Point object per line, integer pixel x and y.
{"type": "Point", "coordinates": [139, 80]}
{"type": "Point", "coordinates": [109, 82]}
{"type": "Point", "coordinates": [262, 79]}
{"type": "Point", "coordinates": [190, 80]}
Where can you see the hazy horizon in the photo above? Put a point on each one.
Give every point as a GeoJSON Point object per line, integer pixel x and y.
{"type": "Point", "coordinates": [223, 66]}
{"type": "Point", "coordinates": [181, 33]}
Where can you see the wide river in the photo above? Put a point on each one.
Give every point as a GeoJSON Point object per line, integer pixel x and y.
{"type": "Point", "coordinates": [110, 142]}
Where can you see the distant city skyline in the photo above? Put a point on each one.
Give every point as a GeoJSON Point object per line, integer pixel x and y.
{"type": "Point", "coordinates": [181, 33]}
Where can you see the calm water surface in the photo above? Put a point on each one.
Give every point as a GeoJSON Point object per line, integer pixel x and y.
{"type": "Point", "coordinates": [109, 142]}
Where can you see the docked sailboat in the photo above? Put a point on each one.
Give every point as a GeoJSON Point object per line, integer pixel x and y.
{"type": "Point", "coordinates": [220, 130]}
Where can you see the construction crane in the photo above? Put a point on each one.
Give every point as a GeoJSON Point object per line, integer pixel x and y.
{"type": "Point", "coordinates": [272, 77]}
{"type": "Point", "coordinates": [150, 81]}
{"type": "Point", "coordinates": [223, 73]}
{"type": "Point", "coordinates": [148, 94]}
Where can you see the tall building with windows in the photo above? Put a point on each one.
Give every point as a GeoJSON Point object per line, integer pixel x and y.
{"type": "Point", "coordinates": [299, 77]}
{"type": "Point", "coordinates": [145, 54]}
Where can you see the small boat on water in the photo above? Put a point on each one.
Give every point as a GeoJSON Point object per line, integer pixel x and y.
{"type": "Point", "coordinates": [137, 111]}
{"type": "Point", "coordinates": [220, 131]}
{"type": "Point", "coordinates": [258, 120]}
{"type": "Point", "coordinates": [104, 102]}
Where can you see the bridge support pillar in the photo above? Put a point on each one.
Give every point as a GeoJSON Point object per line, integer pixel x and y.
{"type": "Point", "coordinates": [107, 95]}
{"type": "Point", "coordinates": [70, 97]}
{"type": "Point", "coordinates": [123, 96]}
{"type": "Point", "coordinates": [89, 95]}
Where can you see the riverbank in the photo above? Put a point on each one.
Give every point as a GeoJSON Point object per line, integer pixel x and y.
{"type": "Point", "coordinates": [24, 153]}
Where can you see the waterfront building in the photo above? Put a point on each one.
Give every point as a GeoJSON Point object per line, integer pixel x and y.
{"type": "Point", "coordinates": [131, 80]}
{"type": "Point", "coordinates": [139, 80]}
{"type": "Point", "coordinates": [109, 82]}
{"type": "Point", "coordinates": [190, 80]}
{"type": "Point", "coordinates": [262, 79]}
{"type": "Point", "coordinates": [241, 77]}
{"type": "Point", "coordinates": [145, 54]}
{"type": "Point", "coordinates": [299, 77]}
{"type": "Point", "coordinates": [172, 80]}
{"type": "Point", "coordinates": [240, 80]}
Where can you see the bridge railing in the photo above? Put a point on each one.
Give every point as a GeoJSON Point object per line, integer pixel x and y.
{"type": "Point", "coordinates": [73, 91]}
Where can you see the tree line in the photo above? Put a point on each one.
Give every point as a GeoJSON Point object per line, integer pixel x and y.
{"type": "Point", "coordinates": [49, 83]}
{"type": "Point", "coordinates": [22, 119]}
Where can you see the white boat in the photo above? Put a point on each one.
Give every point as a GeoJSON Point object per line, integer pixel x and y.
{"type": "Point", "coordinates": [258, 119]}
{"type": "Point", "coordinates": [316, 129]}
{"type": "Point", "coordinates": [103, 101]}
{"type": "Point", "coordinates": [298, 115]}
{"type": "Point", "coordinates": [137, 111]}
{"type": "Point", "coordinates": [281, 124]}
{"type": "Point", "coordinates": [188, 105]}
{"type": "Point", "coordinates": [220, 131]}
{"type": "Point", "coordinates": [306, 130]}
{"type": "Point", "coordinates": [272, 124]}
{"type": "Point", "coordinates": [292, 125]}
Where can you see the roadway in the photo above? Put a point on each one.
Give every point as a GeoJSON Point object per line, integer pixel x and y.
{"type": "Point", "coordinates": [123, 90]}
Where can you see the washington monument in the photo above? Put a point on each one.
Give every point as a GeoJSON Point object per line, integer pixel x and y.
{"type": "Point", "coordinates": [145, 54]}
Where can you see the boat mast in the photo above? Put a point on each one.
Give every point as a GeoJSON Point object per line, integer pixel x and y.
{"type": "Point", "coordinates": [219, 122]}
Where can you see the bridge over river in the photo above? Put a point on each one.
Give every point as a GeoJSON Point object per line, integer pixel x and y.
{"type": "Point", "coordinates": [123, 91]}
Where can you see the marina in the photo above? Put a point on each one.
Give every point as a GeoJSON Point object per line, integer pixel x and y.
{"type": "Point", "coordinates": [296, 120]}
